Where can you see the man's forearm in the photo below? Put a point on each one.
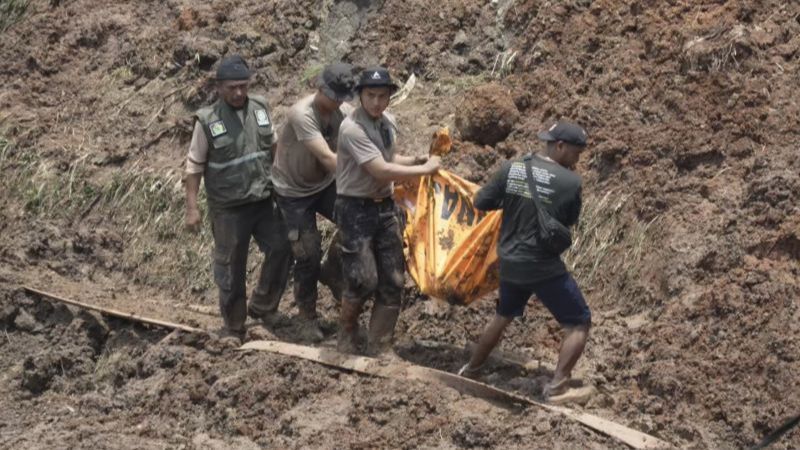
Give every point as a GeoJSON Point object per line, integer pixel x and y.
{"type": "Point", "coordinates": [404, 160]}
{"type": "Point", "coordinates": [329, 163]}
{"type": "Point", "coordinates": [192, 189]}
{"type": "Point", "coordinates": [399, 172]}
{"type": "Point", "coordinates": [319, 148]}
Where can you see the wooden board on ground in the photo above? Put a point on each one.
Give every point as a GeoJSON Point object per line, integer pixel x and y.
{"type": "Point", "coordinates": [200, 309]}
{"type": "Point", "coordinates": [113, 312]}
{"type": "Point", "coordinates": [406, 371]}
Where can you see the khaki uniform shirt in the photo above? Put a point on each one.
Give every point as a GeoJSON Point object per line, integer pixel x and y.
{"type": "Point", "coordinates": [362, 139]}
{"type": "Point", "coordinates": [296, 171]}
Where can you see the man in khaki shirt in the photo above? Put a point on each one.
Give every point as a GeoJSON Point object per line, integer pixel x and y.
{"type": "Point", "coordinates": [372, 247]}
{"type": "Point", "coordinates": [304, 178]}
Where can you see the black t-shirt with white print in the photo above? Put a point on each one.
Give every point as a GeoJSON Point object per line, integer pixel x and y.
{"type": "Point", "coordinates": [522, 260]}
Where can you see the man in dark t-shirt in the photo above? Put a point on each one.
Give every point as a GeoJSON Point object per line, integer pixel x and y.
{"type": "Point", "coordinates": [526, 266]}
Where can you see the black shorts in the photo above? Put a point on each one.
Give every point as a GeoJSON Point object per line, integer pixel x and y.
{"type": "Point", "coordinates": [560, 295]}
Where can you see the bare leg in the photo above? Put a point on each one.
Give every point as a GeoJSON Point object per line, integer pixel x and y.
{"type": "Point", "coordinates": [571, 349]}
{"type": "Point", "coordinates": [489, 339]}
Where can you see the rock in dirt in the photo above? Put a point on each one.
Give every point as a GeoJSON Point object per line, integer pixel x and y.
{"type": "Point", "coordinates": [487, 115]}
{"type": "Point", "coordinates": [543, 426]}
{"type": "Point", "coordinates": [461, 42]}
{"type": "Point", "coordinates": [38, 372]}
{"type": "Point", "coordinates": [8, 313]}
{"type": "Point", "coordinates": [25, 321]}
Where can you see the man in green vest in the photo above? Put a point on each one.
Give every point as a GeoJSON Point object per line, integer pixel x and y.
{"type": "Point", "coordinates": [231, 149]}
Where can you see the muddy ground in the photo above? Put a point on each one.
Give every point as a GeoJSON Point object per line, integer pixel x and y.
{"type": "Point", "coordinates": [688, 253]}
{"type": "Point", "coordinates": [103, 383]}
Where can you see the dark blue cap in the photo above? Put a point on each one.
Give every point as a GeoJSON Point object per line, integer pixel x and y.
{"type": "Point", "coordinates": [565, 132]}
{"type": "Point", "coordinates": [337, 82]}
{"type": "Point", "coordinates": [233, 68]}
{"type": "Point", "coordinates": [376, 77]}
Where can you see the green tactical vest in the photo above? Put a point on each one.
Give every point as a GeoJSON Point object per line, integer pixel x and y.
{"type": "Point", "coordinates": [239, 155]}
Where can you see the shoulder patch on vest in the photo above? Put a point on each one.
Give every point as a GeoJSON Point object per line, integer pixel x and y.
{"type": "Point", "coordinates": [217, 128]}
{"type": "Point", "coordinates": [262, 118]}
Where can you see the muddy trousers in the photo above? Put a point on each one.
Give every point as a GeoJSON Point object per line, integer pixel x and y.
{"type": "Point", "coordinates": [232, 229]}
{"type": "Point", "coordinates": [305, 240]}
{"type": "Point", "coordinates": [372, 251]}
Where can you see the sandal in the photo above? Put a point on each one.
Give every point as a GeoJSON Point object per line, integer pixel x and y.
{"type": "Point", "coordinates": [470, 372]}
{"type": "Point", "coordinates": [552, 389]}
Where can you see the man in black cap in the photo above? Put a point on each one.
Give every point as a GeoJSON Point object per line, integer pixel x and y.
{"type": "Point", "coordinates": [372, 247]}
{"type": "Point", "coordinates": [232, 149]}
{"type": "Point", "coordinates": [304, 176]}
{"type": "Point", "coordinates": [527, 264]}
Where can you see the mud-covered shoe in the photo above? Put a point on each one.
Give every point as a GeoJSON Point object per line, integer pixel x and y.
{"type": "Point", "coordinates": [309, 330]}
{"type": "Point", "coordinates": [347, 341]}
{"type": "Point", "coordinates": [381, 329]}
{"type": "Point", "coordinates": [231, 338]}
{"type": "Point", "coordinates": [269, 320]}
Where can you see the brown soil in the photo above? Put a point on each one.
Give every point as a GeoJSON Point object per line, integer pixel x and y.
{"type": "Point", "coordinates": [693, 121]}
{"type": "Point", "coordinates": [487, 115]}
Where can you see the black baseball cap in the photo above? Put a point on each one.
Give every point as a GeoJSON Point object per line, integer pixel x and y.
{"type": "Point", "coordinates": [233, 68]}
{"type": "Point", "coordinates": [337, 82]}
{"type": "Point", "coordinates": [376, 77]}
{"type": "Point", "coordinates": [565, 132]}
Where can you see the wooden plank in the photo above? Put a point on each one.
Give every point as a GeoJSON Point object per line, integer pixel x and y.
{"type": "Point", "coordinates": [497, 355]}
{"type": "Point", "coordinates": [113, 312]}
{"type": "Point", "coordinates": [406, 371]}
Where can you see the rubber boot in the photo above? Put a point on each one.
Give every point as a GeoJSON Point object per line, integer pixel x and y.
{"type": "Point", "coordinates": [310, 329]}
{"type": "Point", "coordinates": [381, 328]}
{"type": "Point", "coordinates": [348, 327]}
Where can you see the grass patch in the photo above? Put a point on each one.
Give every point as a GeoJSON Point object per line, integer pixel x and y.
{"type": "Point", "coordinates": [503, 64]}
{"type": "Point", "coordinates": [465, 82]}
{"type": "Point", "coordinates": [607, 244]}
{"type": "Point", "coordinates": [122, 73]}
{"type": "Point", "coordinates": [310, 75]}
{"type": "Point", "coordinates": [144, 206]}
{"type": "Point", "coordinates": [11, 12]}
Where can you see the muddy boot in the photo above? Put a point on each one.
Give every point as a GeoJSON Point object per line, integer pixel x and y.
{"type": "Point", "coordinates": [231, 338]}
{"type": "Point", "coordinates": [271, 319]}
{"type": "Point", "coordinates": [348, 327]}
{"type": "Point", "coordinates": [381, 329]}
{"type": "Point", "coordinates": [309, 325]}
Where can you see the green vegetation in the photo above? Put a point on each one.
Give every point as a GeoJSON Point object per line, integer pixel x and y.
{"type": "Point", "coordinates": [122, 73]}
{"type": "Point", "coordinates": [606, 243]}
{"type": "Point", "coordinates": [503, 64]}
{"type": "Point", "coordinates": [309, 74]}
{"type": "Point", "coordinates": [11, 12]}
{"type": "Point", "coordinates": [145, 207]}
{"type": "Point", "coordinates": [462, 83]}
